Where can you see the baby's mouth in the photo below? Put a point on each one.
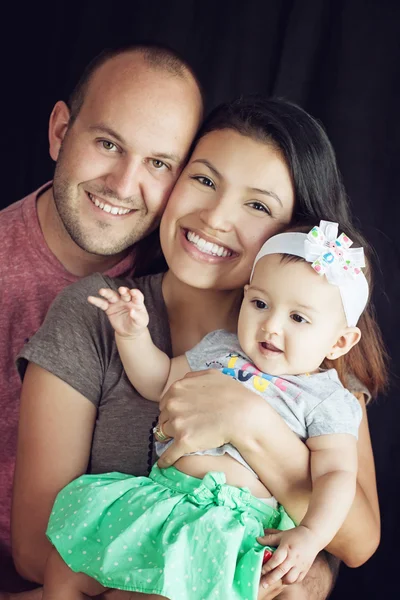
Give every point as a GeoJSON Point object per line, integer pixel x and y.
{"type": "Point", "coordinates": [270, 347]}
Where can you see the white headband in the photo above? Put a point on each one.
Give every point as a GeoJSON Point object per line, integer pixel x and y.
{"type": "Point", "coordinates": [331, 256]}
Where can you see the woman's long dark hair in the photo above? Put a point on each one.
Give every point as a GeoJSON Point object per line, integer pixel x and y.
{"type": "Point", "coordinates": [304, 145]}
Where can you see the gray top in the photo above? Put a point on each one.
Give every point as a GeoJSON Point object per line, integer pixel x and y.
{"type": "Point", "coordinates": [76, 343]}
{"type": "Point", "coordinates": [311, 405]}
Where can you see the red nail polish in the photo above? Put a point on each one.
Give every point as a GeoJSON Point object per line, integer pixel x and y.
{"type": "Point", "coordinates": [267, 556]}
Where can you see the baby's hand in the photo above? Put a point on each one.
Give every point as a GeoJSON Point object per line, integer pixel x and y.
{"type": "Point", "coordinates": [296, 552]}
{"type": "Point", "coordinates": [125, 309]}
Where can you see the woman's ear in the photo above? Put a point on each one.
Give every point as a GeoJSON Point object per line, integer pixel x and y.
{"type": "Point", "coordinates": [349, 337]}
{"type": "Point", "coordinates": [58, 125]}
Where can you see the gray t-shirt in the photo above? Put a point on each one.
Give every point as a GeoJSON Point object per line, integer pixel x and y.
{"type": "Point", "coordinates": [311, 405]}
{"type": "Point", "coordinates": [76, 343]}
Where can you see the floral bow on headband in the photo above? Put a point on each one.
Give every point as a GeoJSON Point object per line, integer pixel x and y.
{"type": "Point", "coordinates": [331, 255]}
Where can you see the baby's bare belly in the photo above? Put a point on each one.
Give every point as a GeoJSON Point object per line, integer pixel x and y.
{"type": "Point", "coordinates": [236, 474]}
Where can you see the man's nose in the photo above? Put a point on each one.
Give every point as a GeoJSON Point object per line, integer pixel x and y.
{"type": "Point", "coordinates": [126, 178]}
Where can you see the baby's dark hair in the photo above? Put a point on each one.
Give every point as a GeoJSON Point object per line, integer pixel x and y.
{"type": "Point", "coordinates": [367, 360]}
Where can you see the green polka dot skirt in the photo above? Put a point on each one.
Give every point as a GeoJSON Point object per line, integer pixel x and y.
{"type": "Point", "coordinates": [169, 534]}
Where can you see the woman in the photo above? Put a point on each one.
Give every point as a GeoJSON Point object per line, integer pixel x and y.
{"type": "Point", "coordinates": [256, 167]}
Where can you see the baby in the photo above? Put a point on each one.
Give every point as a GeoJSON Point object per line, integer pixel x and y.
{"type": "Point", "coordinates": [305, 296]}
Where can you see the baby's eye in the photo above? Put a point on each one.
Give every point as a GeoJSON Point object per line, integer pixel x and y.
{"type": "Point", "coordinates": [203, 180]}
{"type": "Point", "coordinates": [260, 304]}
{"type": "Point", "coordinates": [298, 318]}
{"type": "Point", "coordinates": [259, 206]}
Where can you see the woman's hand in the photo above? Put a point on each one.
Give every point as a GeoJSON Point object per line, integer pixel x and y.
{"type": "Point", "coordinates": [203, 410]}
{"type": "Point", "coordinates": [272, 591]}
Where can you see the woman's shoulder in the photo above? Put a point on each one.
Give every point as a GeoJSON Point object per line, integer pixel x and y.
{"type": "Point", "coordinates": [352, 384]}
{"type": "Point", "coordinates": [149, 285]}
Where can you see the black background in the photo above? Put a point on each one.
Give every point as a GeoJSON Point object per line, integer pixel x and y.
{"type": "Point", "coordinates": [340, 60]}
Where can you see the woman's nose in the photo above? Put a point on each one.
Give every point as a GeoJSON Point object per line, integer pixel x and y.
{"type": "Point", "coordinates": [219, 215]}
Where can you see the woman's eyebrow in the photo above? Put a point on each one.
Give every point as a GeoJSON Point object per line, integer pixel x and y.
{"type": "Point", "coordinates": [205, 162]}
{"type": "Point", "coordinates": [267, 193]}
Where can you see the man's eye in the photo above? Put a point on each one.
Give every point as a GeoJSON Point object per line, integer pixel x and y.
{"type": "Point", "coordinates": [298, 318]}
{"type": "Point", "coordinates": [206, 181]}
{"type": "Point", "coordinates": [259, 304]}
{"type": "Point", "coordinates": [158, 164]}
{"type": "Point", "coordinates": [109, 146]}
{"type": "Point", "coordinates": [259, 206]}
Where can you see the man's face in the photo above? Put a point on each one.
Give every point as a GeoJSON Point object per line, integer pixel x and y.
{"type": "Point", "coordinates": [118, 161]}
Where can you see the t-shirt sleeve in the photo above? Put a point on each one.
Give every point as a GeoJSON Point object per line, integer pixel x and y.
{"type": "Point", "coordinates": [214, 344]}
{"type": "Point", "coordinates": [356, 387]}
{"type": "Point", "coordinates": [338, 413]}
{"type": "Point", "coordinates": [74, 340]}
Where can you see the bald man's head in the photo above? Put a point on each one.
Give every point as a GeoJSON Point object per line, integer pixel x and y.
{"type": "Point", "coordinates": [149, 56]}
{"type": "Point", "coordinates": [120, 146]}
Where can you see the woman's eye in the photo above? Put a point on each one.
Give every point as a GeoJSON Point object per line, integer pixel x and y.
{"type": "Point", "coordinates": [206, 181]}
{"type": "Point", "coordinates": [158, 164]}
{"type": "Point", "coordinates": [259, 304]}
{"type": "Point", "coordinates": [109, 146]}
{"type": "Point", "coordinates": [298, 319]}
{"type": "Point", "coordinates": [259, 206]}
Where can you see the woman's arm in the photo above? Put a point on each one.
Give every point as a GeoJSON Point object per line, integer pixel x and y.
{"type": "Point", "coordinates": [363, 524]}
{"type": "Point", "coordinates": [54, 439]}
{"type": "Point", "coordinates": [273, 451]}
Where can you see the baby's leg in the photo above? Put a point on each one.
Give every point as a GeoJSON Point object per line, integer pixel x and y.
{"type": "Point", "coordinates": [61, 583]}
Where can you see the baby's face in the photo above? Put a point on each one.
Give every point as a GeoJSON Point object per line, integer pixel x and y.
{"type": "Point", "coordinates": [291, 317]}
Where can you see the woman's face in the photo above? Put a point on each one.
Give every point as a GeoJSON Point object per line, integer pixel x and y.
{"type": "Point", "coordinates": [232, 196]}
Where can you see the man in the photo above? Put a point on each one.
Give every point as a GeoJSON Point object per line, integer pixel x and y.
{"type": "Point", "coordinates": [119, 147]}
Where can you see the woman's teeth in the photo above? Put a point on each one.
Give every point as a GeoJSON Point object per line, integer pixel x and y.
{"type": "Point", "coordinates": [114, 210]}
{"type": "Point", "coordinates": [207, 247]}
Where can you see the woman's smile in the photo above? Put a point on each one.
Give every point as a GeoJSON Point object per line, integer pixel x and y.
{"type": "Point", "coordinates": [200, 247]}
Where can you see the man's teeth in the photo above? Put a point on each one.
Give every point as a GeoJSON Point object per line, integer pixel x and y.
{"type": "Point", "coordinates": [114, 210]}
{"type": "Point", "coordinates": [207, 247]}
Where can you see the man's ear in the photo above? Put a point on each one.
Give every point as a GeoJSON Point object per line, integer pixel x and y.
{"type": "Point", "coordinates": [58, 126]}
{"type": "Point", "coordinates": [348, 338]}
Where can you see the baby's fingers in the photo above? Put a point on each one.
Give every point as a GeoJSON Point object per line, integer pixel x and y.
{"type": "Point", "coordinates": [110, 295]}
{"type": "Point", "coordinates": [125, 294]}
{"type": "Point", "coordinates": [276, 559]}
{"type": "Point", "coordinates": [137, 298]}
{"type": "Point", "coordinates": [99, 302]}
{"type": "Point", "coordinates": [293, 576]}
{"type": "Point", "coordinates": [277, 573]}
